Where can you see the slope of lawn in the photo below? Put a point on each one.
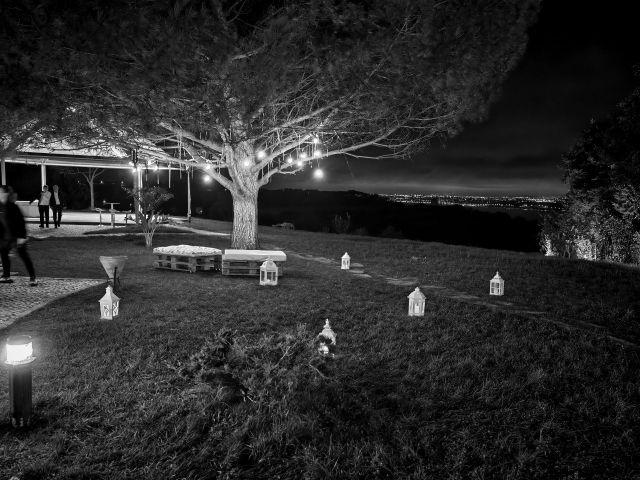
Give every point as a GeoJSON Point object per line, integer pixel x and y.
{"type": "Point", "coordinates": [205, 376]}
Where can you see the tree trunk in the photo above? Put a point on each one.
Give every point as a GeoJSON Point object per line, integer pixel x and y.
{"type": "Point", "coordinates": [245, 220]}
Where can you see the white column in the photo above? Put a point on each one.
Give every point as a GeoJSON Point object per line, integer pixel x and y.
{"type": "Point", "coordinates": [188, 197]}
{"type": "Point", "coordinates": [43, 175]}
{"type": "Point", "coordinates": [3, 172]}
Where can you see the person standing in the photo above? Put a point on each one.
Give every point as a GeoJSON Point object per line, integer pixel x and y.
{"type": "Point", "coordinates": [43, 206]}
{"type": "Point", "coordinates": [13, 233]}
{"type": "Point", "coordinates": [56, 202]}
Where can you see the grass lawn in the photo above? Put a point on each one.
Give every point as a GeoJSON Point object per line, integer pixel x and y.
{"type": "Point", "coordinates": [465, 392]}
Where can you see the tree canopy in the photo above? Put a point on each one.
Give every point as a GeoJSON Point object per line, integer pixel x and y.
{"type": "Point", "coordinates": [249, 89]}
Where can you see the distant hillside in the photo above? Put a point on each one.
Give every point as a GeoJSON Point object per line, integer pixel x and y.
{"type": "Point", "coordinates": [366, 214]}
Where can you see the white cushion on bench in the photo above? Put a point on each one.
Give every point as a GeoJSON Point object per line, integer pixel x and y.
{"type": "Point", "coordinates": [186, 250]}
{"type": "Point", "coordinates": [256, 255]}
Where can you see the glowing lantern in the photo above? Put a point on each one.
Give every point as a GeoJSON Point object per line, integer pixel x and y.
{"type": "Point", "coordinates": [326, 339]}
{"type": "Point", "coordinates": [496, 285]}
{"type": "Point", "coordinates": [19, 359]}
{"type": "Point", "coordinates": [109, 305]}
{"type": "Point", "coordinates": [416, 303]}
{"type": "Point", "coordinates": [19, 350]}
{"type": "Point", "coordinates": [346, 262]}
{"type": "Point", "coordinates": [268, 273]}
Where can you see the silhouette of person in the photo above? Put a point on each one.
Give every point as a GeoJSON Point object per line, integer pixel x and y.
{"type": "Point", "coordinates": [13, 233]}
{"type": "Point", "coordinates": [56, 202]}
{"type": "Point", "coordinates": [43, 206]}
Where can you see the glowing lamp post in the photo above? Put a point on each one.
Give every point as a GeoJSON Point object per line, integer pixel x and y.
{"type": "Point", "coordinates": [496, 285]}
{"type": "Point", "coordinates": [346, 262]}
{"type": "Point", "coordinates": [326, 339]}
{"type": "Point", "coordinates": [109, 305]}
{"type": "Point", "coordinates": [416, 303]}
{"type": "Point", "coordinates": [19, 359]}
{"type": "Point", "coordinates": [269, 273]}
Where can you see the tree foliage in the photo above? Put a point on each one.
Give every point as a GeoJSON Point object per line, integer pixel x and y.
{"type": "Point", "coordinates": [252, 89]}
{"type": "Point", "coordinates": [149, 201]}
{"type": "Point", "coordinates": [603, 203]}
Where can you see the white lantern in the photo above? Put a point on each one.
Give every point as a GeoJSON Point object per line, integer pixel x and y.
{"type": "Point", "coordinates": [326, 339]}
{"type": "Point", "coordinates": [109, 305]}
{"type": "Point", "coordinates": [268, 273]}
{"type": "Point", "coordinates": [346, 262]}
{"type": "Point", "coordinates": [416, 303]}
{"type": "Point", "coordinates": [19, 350]}
{"type": "Point", "coordinates": [496, 285]}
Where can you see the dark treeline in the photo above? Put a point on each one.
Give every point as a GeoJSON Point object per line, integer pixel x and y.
{"type": "Point", "coordinates": [366, 214]}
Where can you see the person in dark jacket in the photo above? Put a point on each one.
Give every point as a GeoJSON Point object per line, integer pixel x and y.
{"type": "Point", "coordinates": [13, 232]}
{"type": "Point", "coordinates": [56, 202]}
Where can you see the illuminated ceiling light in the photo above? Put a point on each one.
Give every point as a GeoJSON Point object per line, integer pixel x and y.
{"type": "Point", "coordinates": [318, 173]}
{"type": "Point", "coordinates": [289, 160]}
{"type": "Point", "coordinates": [261, 154]}
{"type": "Point", "coordinates": [303, 155]}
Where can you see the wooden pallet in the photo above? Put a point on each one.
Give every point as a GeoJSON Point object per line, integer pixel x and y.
{"type": "Point", "coordinates": [246, 267]}
{"type": "Point", "coordinates": [189, 264]}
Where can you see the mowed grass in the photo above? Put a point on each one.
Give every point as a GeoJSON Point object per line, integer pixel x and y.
{"type": "Point", "coordinates": [464, 392]}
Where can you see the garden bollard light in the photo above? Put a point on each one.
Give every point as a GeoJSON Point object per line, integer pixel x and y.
{"type": "Point", "coordinates": [19, 359]}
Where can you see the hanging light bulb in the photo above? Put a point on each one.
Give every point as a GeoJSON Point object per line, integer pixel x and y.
{"type": "Point", "coordinates": [316, 140]}
{"type": "Point", "coordinates": [207, 179]}
{"type": "Point", "coordinates": [261, 154]}
{"type": "Point", "coordinates": [208, 167]}
{"type": "Point", "coordinates": [246, 163]}
{"type": "Point", "coordinates": [303, 155]}
{"type": "Point", "coordinates": [133, 169]}
{"type": "Point", "coordinates": [299, 163]}
{"type": "Point", "coordinates": [289, 159]}
{"type": "Point", "coordinates": [317, 154]}
{"type": "Point", "coordinates": [318, 173]}
{"type": "Point", "coordinates": [155, 166]}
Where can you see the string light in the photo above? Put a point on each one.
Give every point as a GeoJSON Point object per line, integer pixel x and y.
{"type": "Point", "coordinates": [155, 166]}
{"type": "Point", "coordinates": [289, 159]}
{"type": "Point", "coordinates": [246, 163]}
{"type": "Point", "coordinates": [318, 173]}
{"type": "Point", "coordinates": [303, 155]}
{"type": "Point", "coordinates": [299, 163]}
{"type": "Point", "coordinates": [208, 167]}
{"type": "Point", "coordinates": [261, 154]}
{"type": "Point", "coordinates": [316, 140]}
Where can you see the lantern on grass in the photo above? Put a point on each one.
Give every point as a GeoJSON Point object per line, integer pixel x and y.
{"type": "Point", "coordinates": [109, 305]}
{"type": "Point", "coordinates": [269, 273]}
{"type": "Point", "coordinates": [19, 359]}
{"type": "Point", "coordinates": [346, 262]}
{"type": "Point", "coordinates": [496, 285]}
{"type": "Point", "coordinates": [326, 339]}
{"type": "Point", "coordinates": [416, 303]}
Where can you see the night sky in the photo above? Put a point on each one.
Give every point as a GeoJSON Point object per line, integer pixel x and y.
{"type": "Point", "coordinates": [577, 66]}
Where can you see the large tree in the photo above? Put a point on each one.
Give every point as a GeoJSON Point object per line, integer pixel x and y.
{"type": "Point", "coordinates": [246, 90]}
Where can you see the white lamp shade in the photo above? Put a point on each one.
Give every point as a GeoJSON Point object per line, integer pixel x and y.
{"type": "Point", "coordinates": [19, 349]}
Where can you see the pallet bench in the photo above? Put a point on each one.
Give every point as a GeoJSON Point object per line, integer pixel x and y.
{"type": "Point", "coordinates": [247, 262]}
{"type": "Point", "coordinates": [188, 258]}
